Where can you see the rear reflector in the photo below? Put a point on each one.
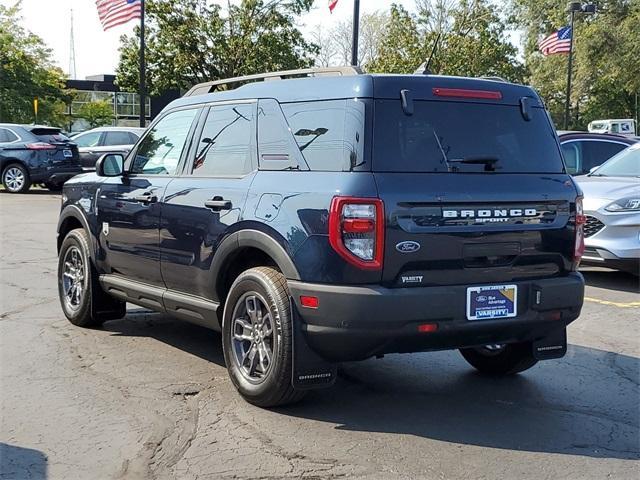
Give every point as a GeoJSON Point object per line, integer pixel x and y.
{"type": "Point", "coordinates": [463, 93]}
{"type": "Point", "coordinates": [428, 327]}
{"type": "Point", "coordinates": [309, 302]}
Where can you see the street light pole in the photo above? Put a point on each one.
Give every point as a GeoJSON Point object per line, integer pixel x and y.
{"type": "Point", "coordinates": [142, 86]}
{"type": "Point", "coordinates": [356, 32]}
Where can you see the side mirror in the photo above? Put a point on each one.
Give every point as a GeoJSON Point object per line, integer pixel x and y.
{"type": "Point", "coordinates": [110, 165]}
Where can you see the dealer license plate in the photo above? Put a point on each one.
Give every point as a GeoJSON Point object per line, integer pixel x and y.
{"type": "Point", "coordinates": [492, 301]}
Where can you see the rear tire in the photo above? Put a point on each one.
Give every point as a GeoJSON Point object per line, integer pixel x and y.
{"type": "Point", "coordinates": [257, 338]}
{"type": "Point", "coordinates": [77, 282]}
{"type": "Point", "coordinates": [508, 360]}
{"type": "Point", "coordinates": [15, 178]}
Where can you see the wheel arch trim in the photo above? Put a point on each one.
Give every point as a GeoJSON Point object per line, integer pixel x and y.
{"type": "Point", "coordinates": [72, 211]}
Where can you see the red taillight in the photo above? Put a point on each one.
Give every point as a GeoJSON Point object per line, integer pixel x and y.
{"type": "Point", "coordinates": [40, 146]}
{"type": "Point", "coordinates": [428, 327]}
{"type": "Point", "coordinates": [356, 230]}
{"type": "Point", "coordinates": [464, 93]}
{"type": "Point", "coordinates": [581, 219]}
{"type": "Point", "coordinates": [308, 301]}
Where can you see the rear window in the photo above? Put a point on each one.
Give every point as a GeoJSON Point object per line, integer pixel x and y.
{"type": "Point", "coordinates": [49, 135]}
{"type": "Point", "coordinates": [463, 136]}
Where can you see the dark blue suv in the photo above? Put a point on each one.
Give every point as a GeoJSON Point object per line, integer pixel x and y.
{"type": "Point", "coordinates": [336, 216]}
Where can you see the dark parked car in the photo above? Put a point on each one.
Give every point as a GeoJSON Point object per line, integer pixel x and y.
{"type": "Point", "coordinates": [96, 142]}
{"type": "Point", "coordinates": [32, 154]}
{"type": "Point", "coordinates": [584, 151]}
{"type": "Point", "coordinates": [334, 218]}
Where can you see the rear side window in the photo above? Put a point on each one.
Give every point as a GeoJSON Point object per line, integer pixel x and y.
{"type": "Point", "coordinates": [117, 138]}
{"type": "Point", "coordinates": [7, 136]}
{"type": "Point", "coordinates": [224, 148]}
{"type": "Point", "coordinates": [463, 136]}
{"type": "Point", "coordinates": [329, 134]}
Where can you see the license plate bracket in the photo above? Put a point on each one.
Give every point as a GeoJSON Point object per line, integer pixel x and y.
{"type": "Point", "coordinates": [489, 302]}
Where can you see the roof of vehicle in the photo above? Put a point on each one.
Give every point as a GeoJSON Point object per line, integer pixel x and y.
{"type": "Point", "coordinates": [114, 129]}
{"type": "Point", "coordinates": [565, 135]}
{"type": "Point", "coordinates": [361, 86]}
{"type": "Point", "coordinates": [28, 127]}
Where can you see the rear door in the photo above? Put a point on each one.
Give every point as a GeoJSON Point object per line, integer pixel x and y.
{"type": "Point", "coordinates": [200, 207]}
{"type": "Point", "coordinates": [128, 207]}
{"type": "Point", "coordinates": [88, 147]}
{"type": "Point", "coordinates": [473, 192]}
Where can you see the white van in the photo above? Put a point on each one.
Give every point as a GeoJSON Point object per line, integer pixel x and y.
{"type": "Point", "coordinates": [626, 126]}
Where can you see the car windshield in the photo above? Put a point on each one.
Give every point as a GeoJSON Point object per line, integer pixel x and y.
{"type": "Point", "coordinates": [624, 164]}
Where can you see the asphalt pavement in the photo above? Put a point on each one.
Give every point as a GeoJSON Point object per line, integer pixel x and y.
{"type": "Point", "coordinates": [149, 397]}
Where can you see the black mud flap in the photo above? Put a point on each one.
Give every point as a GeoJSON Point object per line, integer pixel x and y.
{"type": "Point", "coordinates": [553, 345]}
{"type": "Point", "coordinates": [310, 370]}
{"type": "Point", "coordinates": [103, 306]}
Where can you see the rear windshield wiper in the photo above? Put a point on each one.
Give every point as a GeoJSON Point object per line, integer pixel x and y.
{"type": "Point", "coordinates": [487, 161]}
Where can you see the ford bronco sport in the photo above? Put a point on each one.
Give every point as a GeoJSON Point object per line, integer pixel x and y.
{"type": "Point", "coordinates": [335, 216]}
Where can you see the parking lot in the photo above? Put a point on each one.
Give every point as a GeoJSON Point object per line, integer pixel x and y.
{"type": "Point", "coordinates": [149, 396]}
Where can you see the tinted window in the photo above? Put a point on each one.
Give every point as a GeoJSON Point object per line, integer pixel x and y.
{"type": "Point", "coordinates": [49, 135]}
{"type": "Point", "coordinates": [572, 157]}
{"type": "Point", "coordinates": [225, 143]}
{"type": "Point", "coordinates": [330, 134]}
{"type": "Point", "coordinates": [595, 153]}
{"type": "Point", "coordinates": [276, 146]}
{"type": "Point", "coordinates": [7, 136]}
{"type": "Point", "coordinates": [117, 138]}
{"type": "Point", "coordinates": [440, 132]}
{"type": "Point", "coordinates": [160, 150]}
{"type": "Point", "coordinates": [88, 139]}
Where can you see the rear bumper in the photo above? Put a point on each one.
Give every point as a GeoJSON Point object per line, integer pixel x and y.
{"type": "Point", "coordinates": [55, 174]}
{"type": "Point", "coordinates": [357, 322]}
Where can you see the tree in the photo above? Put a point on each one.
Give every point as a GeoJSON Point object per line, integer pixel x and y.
{"type": "Point", "coordinates": [606, 82]}
{"type": "Point", "coordinates": [472, 40]}
{"type": "Point", "coordinates": [372, 29]}
{"type": "Point", "coordinates": [193, 41]}
{"type": "Point", "coordinates": [97, 113]}
{"type": "Point", "coordinates": [26, 72]}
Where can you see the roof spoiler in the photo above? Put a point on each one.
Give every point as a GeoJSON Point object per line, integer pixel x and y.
{"type": "Point", "coordinates": [235, 82]}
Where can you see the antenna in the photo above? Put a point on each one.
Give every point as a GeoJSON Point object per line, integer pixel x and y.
{"type": "Point", "coordinates": [424, 68]}
{"type": "Point", "coordinates": [72, 51]}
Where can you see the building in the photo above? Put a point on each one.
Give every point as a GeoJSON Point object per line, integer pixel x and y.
{"type": "Point", "coordinates": [126, 105]}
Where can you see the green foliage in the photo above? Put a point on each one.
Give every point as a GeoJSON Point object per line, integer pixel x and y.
{"type": "Point", "coordinates": [192, 41]}
{"type": "Point", "coordinates": [472, 41]}
{"type": "Point", "coordinates": [25, 73]}
{"type": "Point", "coordinates": [96, 114]}
{"type": "Point", "coordinates": [606, 68]}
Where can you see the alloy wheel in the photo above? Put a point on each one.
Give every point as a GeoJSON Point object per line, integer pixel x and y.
{"type": "Point", "coordinates": [13, 179]}
{"type": "Point", "coordinates": [73, 278]}
{"type": "Point", "coordinates": [253, 338]}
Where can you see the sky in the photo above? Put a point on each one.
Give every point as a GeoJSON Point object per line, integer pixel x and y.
{"type": "Point", "coordinates": [97, 51]}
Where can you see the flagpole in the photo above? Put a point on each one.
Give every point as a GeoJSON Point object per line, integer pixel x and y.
{"type": "Point", "coordinates": [356, 32]}
{"type": "Point", "coordinates": [568, 98]}
{"type": "Point", "coordinates": [142, 87]}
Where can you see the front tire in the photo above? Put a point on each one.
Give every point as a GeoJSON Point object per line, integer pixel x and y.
{"type": "Point", "coordinates": [501, 360]}
{"type": "Point", "coordinates": [257, 338]}
{"type": "Point", "coordinates": [15, 178]}
{"type": "Point", "coordinates": [76, 280]}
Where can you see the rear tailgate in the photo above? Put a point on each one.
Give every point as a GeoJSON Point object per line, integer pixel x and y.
{"type": "Point", "coordinates": [65, 152]}
{"type": "Point", "coordinates": [473, 184]}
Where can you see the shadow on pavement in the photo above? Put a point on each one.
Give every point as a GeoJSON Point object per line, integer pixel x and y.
{"type": "Point", "coordinates": [612, 280]}
{"type": "Point", "coordinates": [19, 463]}
{"type": "Point", "coordinates": [584, 404]}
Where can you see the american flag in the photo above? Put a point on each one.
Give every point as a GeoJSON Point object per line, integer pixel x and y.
{"type": "Point", "coordinates": [116, 12]}
{"type": "Point", "coordinates": [332, 5]}
{"type": "Point", "coordinates": [557, 42]}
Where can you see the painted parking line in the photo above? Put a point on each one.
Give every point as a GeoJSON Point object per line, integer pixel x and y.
{"type": "Point", "coordinates": [613, 304]}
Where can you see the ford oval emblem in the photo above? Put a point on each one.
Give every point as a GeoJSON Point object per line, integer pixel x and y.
{"type": "Point", "coordinates": [408, 247]}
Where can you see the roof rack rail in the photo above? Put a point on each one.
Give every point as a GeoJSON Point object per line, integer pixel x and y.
{"type": "Point", "coordinates": [495, 79]}
{"type": "Point", "coordinates": [231, 83]}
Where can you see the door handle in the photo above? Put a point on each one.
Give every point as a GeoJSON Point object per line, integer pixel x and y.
{"type": "Point", "coordinates": [217, 204]}
{"type": "Point", "coordinates": [146, 198]}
